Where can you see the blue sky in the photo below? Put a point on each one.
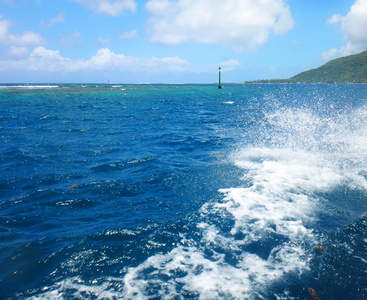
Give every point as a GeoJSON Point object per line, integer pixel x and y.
{"type": "Point", "coordinates": [174, 41]}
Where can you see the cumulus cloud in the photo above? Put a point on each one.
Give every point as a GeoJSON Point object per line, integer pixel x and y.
{"type": "Point", "coordinates": [240, 25]}
{"type": "Point", "coordinates": [27, 38]}
{"type": "Point", "coordinates": [60, 18]}
{"type": "Point", "coordinates": [44, 60]}
{"type": "Point", "coordinates": [109, 7]}
{"type": "Point", "coordinates": [105, 59]}
{"type": "Point", "coordinates": [353, 25]}
{"type": "Point", "coordinates": [40, 59]}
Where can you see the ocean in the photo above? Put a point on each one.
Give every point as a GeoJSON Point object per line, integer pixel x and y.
{"type": "Point", "coordinates": [183, 191]}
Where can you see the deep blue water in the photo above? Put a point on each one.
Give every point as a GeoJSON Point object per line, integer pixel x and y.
{"type": "Point", "coordinates": [183, 192]}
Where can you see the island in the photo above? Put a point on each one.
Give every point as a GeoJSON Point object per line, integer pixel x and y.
{"type": "Point", "coordinates": [348, 69]}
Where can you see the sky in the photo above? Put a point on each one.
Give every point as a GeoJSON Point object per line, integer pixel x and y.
{"type": "Point", "coordinates": [174, 41]}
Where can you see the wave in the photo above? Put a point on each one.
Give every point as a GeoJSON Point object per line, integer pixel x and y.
{"type": "Point", "coordinates": [260, 235]}
{"type": "Point", "coordinates": [268, 235]}
{"type": "Point", "coordinates": [31, 87]}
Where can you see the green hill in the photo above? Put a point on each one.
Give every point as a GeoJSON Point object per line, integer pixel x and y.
{"type": "Point", "coordinates": [348, 69]}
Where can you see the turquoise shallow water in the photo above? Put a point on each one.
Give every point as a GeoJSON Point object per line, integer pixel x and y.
{"type": "Point", "coordinates": [183, 191]}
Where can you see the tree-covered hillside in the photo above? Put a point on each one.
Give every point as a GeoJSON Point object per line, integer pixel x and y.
{"type": "Point", "coordinates": [349, 69]}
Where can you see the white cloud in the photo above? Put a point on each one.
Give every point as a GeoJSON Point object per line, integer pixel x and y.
{"type": "Point", "coordinates": [173, 60]}
{"type": "Point", "coordinates": [230, 65]}
{"type": "Point", "coordinates": [335, 19]}
{"type": "Point", "coordinates": [353, 25]}
{"type": "Point", "coordinates": [128, 35]}
{"type": "Point", "coordinates": [42, 52]}
{"type": "Point", "coordinates": [328, 55]}
{"type": "Point", "coordinates": [240, 25]}
{"type": "Point", "coordinates": [105, 59]}
{"type": "Point", "coordinates": [44, 60]}
{"type": "Point", "coordinates": [18, 52]}
{"type": "Point", "coordinates": [27, 38]}
{"type": "Point", "coordinates": [231, 62]}
{"type": "Point", "coordinates": [60, 18]}
{"type": "Point", "coordinates": [109, 7]}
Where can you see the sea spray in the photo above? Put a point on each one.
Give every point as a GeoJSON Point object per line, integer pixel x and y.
{"type": "Point", "coordinates": [182, 196]}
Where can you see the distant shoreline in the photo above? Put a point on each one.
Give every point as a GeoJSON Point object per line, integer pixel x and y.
{"type": "Point", "coordinates": [4, 86]}
{"type": "Point", "coordinates": [350, 69]}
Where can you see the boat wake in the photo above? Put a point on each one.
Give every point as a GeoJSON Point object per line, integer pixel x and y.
{"type": "Point", "coordinates": [260, 236]}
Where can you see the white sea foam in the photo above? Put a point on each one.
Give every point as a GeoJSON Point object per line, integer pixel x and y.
{"type": "Point", "coordinates": [271, 216]}
{"type": "Point", "coordinates": [31, 87]}
{"type": "Point", "coordinates": [277, 204]}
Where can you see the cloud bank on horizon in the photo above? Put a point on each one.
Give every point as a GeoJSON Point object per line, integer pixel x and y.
{"type": "Point", "coordinates": [229, 31]}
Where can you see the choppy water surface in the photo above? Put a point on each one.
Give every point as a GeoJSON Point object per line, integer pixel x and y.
{"type": "Point", "coordinates": [183, 192]}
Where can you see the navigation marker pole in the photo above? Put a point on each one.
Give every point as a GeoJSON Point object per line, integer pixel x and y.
{"type": "Point", "coordinates": [219, 84]}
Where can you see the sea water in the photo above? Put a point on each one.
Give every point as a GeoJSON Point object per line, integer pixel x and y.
{"type": "Point", "coordinates": [183, 191]}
